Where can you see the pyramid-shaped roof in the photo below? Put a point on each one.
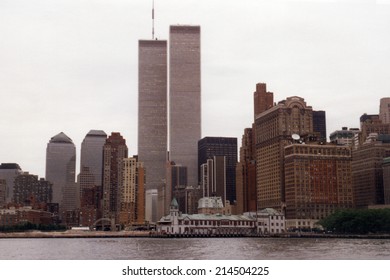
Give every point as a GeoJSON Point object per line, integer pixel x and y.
{"type": "Point", "coordinates": [61, 138]}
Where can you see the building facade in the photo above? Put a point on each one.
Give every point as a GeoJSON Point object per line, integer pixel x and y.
{"type": "Point", "coordinates": [275, 128]}
{"type": "Point", "coordinates": [61, 171]}
{"type": "Point", "coordinates": [90, 197]}
{"type": "Point", "coordinates": [92, 154]}
{"type": "Point", "coordinates": [3, 196]}
{"type": "Point", "coordinates": [213, 175]}
{"type": "Point", "coordinates": [246, 175]}
{"type": "Point", "coordinates": [208, 147]}
{"type": "Point", "coordinates": [264, 222]}
{"type": "Point", "coordinates": [132, 193]}
{"type": "Point", "coordinates": [8, 172]}
{"type": "Point", "coordinates": [176, 179]}
{"type": "Point", "coordinates": [28, 190]}
{"type": "Point", "coordinates": [26, 214]}
{"type": "Point", "coordinates": [151, 206]}
{"type": "Point", "coordinates": [319, 125]}
{"type": "Point", "coordinates": [367, 173]}
{"type": "Point", "coordinates": [372, 124]}
{"type": "Point", "coordinates": [262, 99]}
{"type": "Point", "coordinates": [384, 110]}
{"type": "Point", "coordinates": [386, 180]}
{"type": "Point", "coordinates": [317, 182]}
{"type": "Point", "coordinates": [114, 152]}
{"type": "Point", "coordinates": [345, 136]}
{"type": "Point", "coordinates": [185, 98]}
{"type": "Point", "coordinates": [152, 109]}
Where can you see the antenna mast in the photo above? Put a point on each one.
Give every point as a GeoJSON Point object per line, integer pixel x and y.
{"type": "Point", "coordinates": [153, 21]}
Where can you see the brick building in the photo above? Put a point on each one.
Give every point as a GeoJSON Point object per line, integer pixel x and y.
{"type": "Point", "coordinates": [317, 182]}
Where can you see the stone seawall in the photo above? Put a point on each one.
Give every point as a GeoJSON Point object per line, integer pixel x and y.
{"type": "Point", "coordinates": [74, 234]}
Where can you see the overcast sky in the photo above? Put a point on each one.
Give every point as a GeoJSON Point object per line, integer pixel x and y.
{"type": "Point", "coordinates": [72, 65]}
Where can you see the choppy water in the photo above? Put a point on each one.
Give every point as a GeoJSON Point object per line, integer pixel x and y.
{"type": "Point", "coordinates": [193, 248]}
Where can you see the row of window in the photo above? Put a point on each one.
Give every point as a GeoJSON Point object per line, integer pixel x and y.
{"type": "Point", "coordinates": [215, 223]}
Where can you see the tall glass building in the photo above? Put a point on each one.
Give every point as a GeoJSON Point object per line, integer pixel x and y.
{"type": "Point", "coordinates": [92, 154]}
{"type": "Point", "coordinates": [61, 170]}
{"type": "Point", "coordinates": [152, 110]}
{"type": "Point", "coordinates": [185, 98]}
{"type": "Point", "coordinates": [209, 148]}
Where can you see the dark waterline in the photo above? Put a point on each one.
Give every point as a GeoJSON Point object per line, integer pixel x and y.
{"type": "Point", "coordinates": [193, 248]}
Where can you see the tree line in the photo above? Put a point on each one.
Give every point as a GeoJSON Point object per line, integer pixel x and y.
{"type": "Point", "coordinates": [358, 221]}
{"type": "Point", "coordinates": [30, 226]}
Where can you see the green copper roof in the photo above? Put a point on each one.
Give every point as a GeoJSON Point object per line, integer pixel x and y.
{"type": "Point", "coordinates": [174, 203]}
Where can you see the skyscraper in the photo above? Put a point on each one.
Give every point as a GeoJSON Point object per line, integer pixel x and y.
{"type": "Point", "coordinates": [92, 154]}
{"type": "Point", "coordinates": [246, 174]}
{"type": "Point", "coordinates": [61, 170]}
{"type": "Point", "coordinates": [319, 125]}
{"type": "Point", "coordinates": [275, 128]}
{"type": "Point", "coordinates": [132, 193]}
{"type": "Point", "coordinates": [208, 147]}
{"type": "Point", "coordinates": [213, 173]}
{"type": "Point", "coordinates": [114, 152]}
{"type": "Point", "coordinates": [185, 98]}
{"type": "Point", "coordinates": [176, 178]}
{"type": "Point", "coordinates": [152, 110]}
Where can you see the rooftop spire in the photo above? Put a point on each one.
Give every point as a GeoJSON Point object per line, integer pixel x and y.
{"type": "Point", "coordinates": [153, 20]}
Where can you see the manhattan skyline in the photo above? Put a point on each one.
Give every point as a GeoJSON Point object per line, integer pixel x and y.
{"type": "Point", "coordinates": [71, 67]}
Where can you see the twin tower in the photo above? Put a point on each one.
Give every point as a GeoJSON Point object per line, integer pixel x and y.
{"type": "Point", "coordinates": [169, 103]}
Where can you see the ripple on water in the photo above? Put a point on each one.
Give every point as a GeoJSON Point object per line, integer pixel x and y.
{"type": "Point", "coordinates": [194, 249]}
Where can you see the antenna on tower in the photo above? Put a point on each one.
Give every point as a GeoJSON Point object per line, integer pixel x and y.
{"type": "Point", "coordinates": [153, 21]}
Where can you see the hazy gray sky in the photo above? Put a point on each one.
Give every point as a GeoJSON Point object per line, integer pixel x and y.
{"type": "Point", "coordinates": [72, 65]}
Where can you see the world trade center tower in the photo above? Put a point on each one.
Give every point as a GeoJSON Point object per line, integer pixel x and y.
{"type": "Point", "coordinates": [185, 98]}
{"type": "Point", "coordinates": [152, 110]}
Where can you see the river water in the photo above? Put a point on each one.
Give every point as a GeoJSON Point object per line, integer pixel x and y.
{"type": "Point", "coordinates": [193, 248]}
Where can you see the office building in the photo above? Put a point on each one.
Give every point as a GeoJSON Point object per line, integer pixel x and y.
{"type": "Point", "coordinates": [114, 152]}
{"type": "Point", "coordinates": [345, 136]}
{"type": "Point", "coordinates": [185, 98]}
{"type": "Point", "coordinates": [92, 154]}
{"type": "Point", "coordinates": [208, 147]}
{"type": "Point", "coordinates": [367, 172]}
{"type": "Point", "coordinates": [372, 124]}
{"type": "Point", "coordinates": [262, 99]}
{"type": "Point", "coordinates": [29, 190]}
{"type": "Point", "coordinates": [152, 110]}
{"type": "Point", "coordinates": [317, 182]}
{"type": "Point", "coordinates": [176, 179]}
{"type": "Point", "coordinates": [3, 196]}
{"type": "Point", "coordinates": [8, 172]}
{"type": "Point", "coordinates": [90, 197]}
{"type": "Point", "coordinates": [61, 171]}
{"type": "Point", "coordinates": [213, 174]}
{"type": "Point", "coordinates": [276, 128]}
{"type": "Point", "coordinates": [386, 180]}
{"type": "Point", "coordinates": [384, 110]}
{"type": "Point", "coordinates": [132, 193]}
{"type": "Point", "coordinates": [151, 206]}
{"type": "Point", "coordinates": [246, 198]}
{"type": "Point", "coordinates": [319, 125]}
